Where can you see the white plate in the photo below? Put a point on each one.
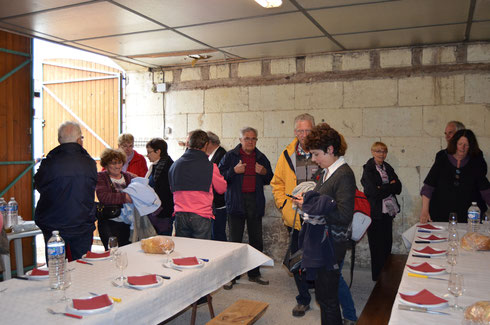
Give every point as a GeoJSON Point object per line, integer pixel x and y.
{"type": "Point", "coordinates": [428, 254]}
{"type": "Point", "coordinates": [72, 309]}
{"type": "Point", "coordinates": [427, 273]}
{"type": "Point", "coordinates": [432, 240]}
{"type": "Point", "coordinates": [89, 259]}
{"type": "Point", "coordinates": [146, 286]}
{"type": "Point", "coordinates": [438, 228]}
{"type": "Point", "coordinates": [36, 277]}
{"type": "Point", "coordinates": [403, 301]}
{"type": "Point", "coordinates": [201, 263]}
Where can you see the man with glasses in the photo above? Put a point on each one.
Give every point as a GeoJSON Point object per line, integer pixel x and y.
{"type": "Point", "coordinates": [135, 163]}
{"type": "Point", "coordinates": [293, 167]}
{"type": "Point", "coordinates": [246, 170]}
{"type": "Point", "coordinates": [66, 181]}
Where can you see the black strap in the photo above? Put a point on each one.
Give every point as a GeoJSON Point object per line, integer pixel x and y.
{"type": "Point", "coordinates": [288, 159]}
{"type": "Point", "coordinates": [352, 261]}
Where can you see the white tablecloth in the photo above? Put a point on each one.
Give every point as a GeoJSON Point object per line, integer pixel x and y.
{"type": "Point", "coordinates": [474, 266]}
{"type": "Point", "coordinates": [25, 302]}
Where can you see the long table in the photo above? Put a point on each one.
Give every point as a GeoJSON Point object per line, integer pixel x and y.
{"type": "Point", "coordinates": [25, 302]}
{"type": "Point", "coordinates": [474, 266]}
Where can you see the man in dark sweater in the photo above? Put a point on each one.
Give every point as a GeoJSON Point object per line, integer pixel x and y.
{"type": "Point", "coordinates": [246, 170]}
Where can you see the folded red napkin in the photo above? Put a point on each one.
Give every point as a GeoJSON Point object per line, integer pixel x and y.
{"type": "Point", "coordinates": [424, 297]}
{"type": "Point", "coordinates": [142, 280]}
{"type": "Point", "coordinates": [92, 303]}
{"type": "Point", "coordinates": [428, 226]}
{"type": "Point", "coordinates": [97, 255]}
{"type": "Point", "coordinates": [432, 237]}
{"type": "Point", "coordinates": [186, 261]}
{"type": "Point", "coordinates": [425, 267]}
{"type": "Point", "coordinates": [429, 250]}
{"type": "Point", "coordinates": [38, 272]}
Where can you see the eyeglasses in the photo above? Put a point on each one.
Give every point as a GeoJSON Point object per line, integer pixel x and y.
{"type": "Point", "coordinates": [303, 131]}
{"type": "Point", "coordinates": [456, 177]}
{"type": "Point", "coordinates": [250, 139]}
{"type": "Point", "coordinates": [380, 151]}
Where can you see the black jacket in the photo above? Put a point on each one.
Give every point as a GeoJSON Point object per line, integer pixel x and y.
{"type": "Point", "coordinates": [66, 181]}
{"type": "Point", "coordinates": [374, 188]}
{"type": "Point", "coordinates": [162, 187]}
{"type": "Point", "coordinates": [219, 199]}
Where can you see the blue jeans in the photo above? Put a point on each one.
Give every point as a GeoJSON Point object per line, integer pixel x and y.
{"type": "Point", "coordinates": [345, 298]}
{"type": "Point", "coordinates": [192, 225]}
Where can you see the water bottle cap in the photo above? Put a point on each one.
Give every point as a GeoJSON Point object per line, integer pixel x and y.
{"type": "Point", "coordinates": [12, 198]}
{"type": "Point", "coordinates": [56, 232]}
{"type": "Point", "coordinates": [474, 203]}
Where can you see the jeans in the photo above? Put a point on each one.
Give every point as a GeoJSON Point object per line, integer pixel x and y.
{"type": "Point", "coordinates": [326, 285]}
{"type": "Point", "coordinates": [219, 224]}
{"type": "Point", "coordinates": [192, 225]}
{"type": "Point", "coordinates": [345, 298]}
{"type": "Point", "coordinates": [254, 227]}
{"type": "Point", "coordinates": [77, 245]}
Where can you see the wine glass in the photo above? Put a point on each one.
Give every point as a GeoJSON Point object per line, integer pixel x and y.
{"type": "Point", "coordinates": [121, 263]}
{"type": "Point", "coordinates": [112, 245]}
{"type": "Point", "coordinates": [452, 253]}
{"type": "Point", "coordinates": [453, 220]}
{"type": "Point", "coordinates": [168, 247]}
{"type": "Point", "coordinates": [456, 288]}
{"type": "Point", "coordinates": [65, 281]}
{"type": "Point", "coordinates": [453, 236]}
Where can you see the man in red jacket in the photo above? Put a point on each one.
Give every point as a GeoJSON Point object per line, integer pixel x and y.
{"type": "Point", "coordinates": [135, 163]}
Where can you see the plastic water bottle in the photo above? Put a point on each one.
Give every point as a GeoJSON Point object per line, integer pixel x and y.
{"type": "Point", "coordinates": [473, 217]}
{"type": "Point", "coordinates": [3, 211]}
{"type": "Point", "coordinates": [12, 212]}
{"type": "Point", "coordinates": [56, 260]}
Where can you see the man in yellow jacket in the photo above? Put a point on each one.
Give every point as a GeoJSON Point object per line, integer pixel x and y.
{"type": "Point", "coordinates": [294, 166]}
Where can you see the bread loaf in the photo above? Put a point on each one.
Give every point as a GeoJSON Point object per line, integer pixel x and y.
{"type": "Point", "coordinates": [479, 312]}
{"type": "Point", "coordinates": [156, 244]}
{"type": "Point", "coordinates": [478, 241]}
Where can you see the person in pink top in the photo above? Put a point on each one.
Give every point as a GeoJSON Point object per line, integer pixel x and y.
{"type": "Point", "coordinates": [192, 179]}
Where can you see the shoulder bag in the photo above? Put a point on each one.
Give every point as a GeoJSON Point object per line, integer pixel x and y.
{"type": "Point", "coordinates": [293, 261]}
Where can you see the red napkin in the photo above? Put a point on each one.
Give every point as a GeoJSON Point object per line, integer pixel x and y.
{"type": "Point", "coordinates": [38, 272]}
{"type": "Point", "coordinates": [186, 261]}
{"type": "Point", "coordinates": [423, 297]}
{"type": "Point", "coordinates": [425, 267]}
{"type": "Point", "coordinates": [432, 237]}
{"type": "Point", "coordinates": [428, 226]}
{"type": "Point", "coordinates": [142, 280]}
{"type": "Point", "coordinates": [92, 303]}
{"type": "Point", "coordinates": [97, 255]}
{"type": "Point", "coordinates": [429, 250]}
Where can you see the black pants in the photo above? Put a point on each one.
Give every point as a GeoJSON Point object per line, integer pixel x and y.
{"type": "Point", "coordinates": [380, 237]}
{"type": "Point", "coordinates": [254, 227]}
{"type": "Point", "coordinates": [109, 228]}
{"type": "Point", "coordinates": [77, 245]}
{"type": "Point", "coordinates": [327, 296]}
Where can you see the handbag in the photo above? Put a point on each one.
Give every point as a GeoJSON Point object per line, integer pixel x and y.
{"type": "Point", "coordinates": [107, 211]}
{"type": "Point", "coordinates": [293, 261]}
{"type": "Point", "coordinates": [4, 243]}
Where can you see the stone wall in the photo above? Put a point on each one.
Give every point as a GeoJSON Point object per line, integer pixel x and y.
{"type": "Point", "coordinates": [402, 96]}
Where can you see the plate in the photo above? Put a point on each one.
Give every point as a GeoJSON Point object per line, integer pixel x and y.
{"type": "Point", "coordinates": [430, 227]}
{"type": "Point", "coordinates": [36, 277]}
{"type": "Point", "coordinates": [438, 240]}
{"type": "Point", "coordinates": [419, 252]}
{"type": "Point", "coordinates": [427, 273]}
{"type": "Point", "coordinates": [146, 286]}
{"type": "Point", "coordinates": [411, 293]}
{"type": "Point", "coordinates": [72, 309]}
{"type": "Point", "coordinates": [201, 263]}
{"type": "Point", "coordinates": [88, 259]}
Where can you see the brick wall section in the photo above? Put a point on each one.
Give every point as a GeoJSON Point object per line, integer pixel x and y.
{"type": "Point", "coordinates": [402, 96]}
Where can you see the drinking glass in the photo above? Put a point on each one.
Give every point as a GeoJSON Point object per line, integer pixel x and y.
{"type": "Point", "coordinates": [65, 281]}
{"type": "Point", "coordinates": [112, 245]}
{"type": "Point", "coordinates": [453, 220]}
{"type": "Point", "coordinates": [121, 263]}
{"type": "Point", "coordinates": [168, 247]}
{"type": "Point", "coordinates": [456, 288]}
{"type": "Point", "coordinates": [453, 237]}
{"type": "Point", "coordinates": [452, 253]}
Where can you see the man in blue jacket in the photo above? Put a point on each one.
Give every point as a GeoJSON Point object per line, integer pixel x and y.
{"type": "Point", "coordinates": [246, 170]}
{"type": "Point", "coordinates": [66, 181]}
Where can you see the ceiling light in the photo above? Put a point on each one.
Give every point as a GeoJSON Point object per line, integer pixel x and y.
{"type": "Point", "coordinates": [269, 3]}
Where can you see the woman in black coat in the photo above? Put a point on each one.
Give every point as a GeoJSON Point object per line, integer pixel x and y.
{"type": "Point", "coordinates": [381, 184]}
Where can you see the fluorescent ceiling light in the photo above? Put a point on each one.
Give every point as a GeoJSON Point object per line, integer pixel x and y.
{"type": "Point", "coordinates": [269, 3]}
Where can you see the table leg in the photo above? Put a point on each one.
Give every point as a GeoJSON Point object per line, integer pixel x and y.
{"type": "Point", "coordinates": [19, 262]}
{"type": "Point", "coordinates": [7, 273]}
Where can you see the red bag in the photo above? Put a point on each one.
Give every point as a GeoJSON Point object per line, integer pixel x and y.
{"type": "Point", "coordinates": [362, 216]}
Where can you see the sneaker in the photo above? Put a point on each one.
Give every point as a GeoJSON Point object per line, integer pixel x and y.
{"type": "Point", "coordinates": [259, 280]}
{"type": "Point", "coordinates": [299, 310]}
{"type": "Point", "coordinates": [229, 285]}
{"type": "Point", "coordinates": [349, 322]}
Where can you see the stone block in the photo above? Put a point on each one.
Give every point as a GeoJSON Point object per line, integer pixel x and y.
{"type": "Point", "coordinates": [347, 121]}
{"type": "Point", "coordinates": [411, 151]}
{"type": "Point", "coordinates": [318, 95]}
{"type": "Point", "coordinates": [234, 122]}
{"type": "Point", "coordinates": [410, 179]}
{"type": "Point", "coordinates": [250, 69]}
{"type": "Point", "coordinates": [370, 93]}
{"type": "Point", "coordinates": [275, 235]}
{"type": "Point", "coordinates": [189, 74]}
{"type": "Point", "coordinates": [178, 124]}
{"type": "Point", "coordinates": [476, 88]}
{"type": "Point", "coordinates": [268, 146]}
{"type": "Point", "coordinates": [283, 66]}
{"type": "Point", "coordinates": [359, 150]}
{"type": "Point", "coordinates": [406, 121]}
{"type": "Point", "coordinates": [187, 101]}
{"type": "Point", "coordinates": [450, 90]}
{"type": "Point", "coordinates": [207, 122]}
{"type": "Point", "coordinates": [139, 98]}
{"type": "Point", "coordinates": [221, 71]}
{"type": "Point", "coordinates": [416, 91]}
{"type": "Point", "coordinates": [233, 99]}
{"type": "Point", "coordinates": [169, 76]}
{"type": "Point", "coordinates": [439, 55]}
{"type": "Point", "coordinates": [478, 53]}
{"type": "Point", "coordinates": [174, 150]}
{"type": "Point", "coordinates": [271, 98]}
{"type": "Point", "coordinates": [395, 58]}
{"type": "Point", "coordinates": [145, 126]}
{"type": "Point", "coordinates": [320, 63]}
{"type": "Point", "coordinates": [412, 204]}
{"type": "Point", "coordinates": [279, 123]}
{"type": "Point", "coordinates": [473, 117]}
{"type": "Point", "coordinates": [356, 61]}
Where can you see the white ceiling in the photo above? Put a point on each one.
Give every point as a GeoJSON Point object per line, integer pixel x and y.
{"type": "Point", "coordinates": [156, 33]}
